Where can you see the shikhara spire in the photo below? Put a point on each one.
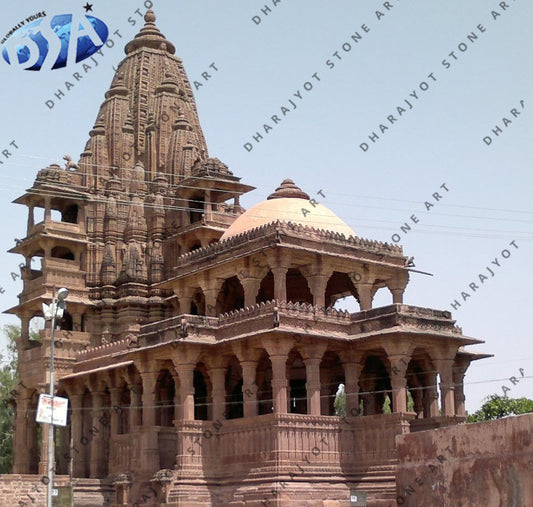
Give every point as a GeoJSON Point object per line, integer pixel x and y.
{"type": "Point", "coordinates": [149, 115]}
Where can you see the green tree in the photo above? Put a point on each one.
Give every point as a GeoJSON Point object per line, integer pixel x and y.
{"type": "Point", "coordinates": [387, 404]}
{"type": "Point", "coordinates": [8, 382]}
{"type": "Point", "coordinates": [340, 404]}
{"type": "Point", "coordinates": [496, 407]}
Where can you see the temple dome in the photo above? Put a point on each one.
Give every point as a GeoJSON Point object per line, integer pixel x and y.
{"type": "Point", "coordinates": [286, 204]}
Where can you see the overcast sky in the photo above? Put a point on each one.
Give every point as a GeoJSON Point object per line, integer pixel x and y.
{"type": "Point", "coordinates": [379, 123]}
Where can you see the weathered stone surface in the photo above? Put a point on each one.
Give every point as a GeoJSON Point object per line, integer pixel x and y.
{"type": "Point", "coordinates": [483, 464]}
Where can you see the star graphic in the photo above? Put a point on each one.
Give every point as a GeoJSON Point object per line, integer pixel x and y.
{"type": "Point", "coordinates": [88, 7]}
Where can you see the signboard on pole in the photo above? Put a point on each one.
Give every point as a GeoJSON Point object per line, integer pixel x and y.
{"type": "Point", "coordinates": [49, 405]}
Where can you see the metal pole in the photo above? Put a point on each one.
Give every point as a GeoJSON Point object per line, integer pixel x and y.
{"type": "Point", "coordinates": [51, 426]}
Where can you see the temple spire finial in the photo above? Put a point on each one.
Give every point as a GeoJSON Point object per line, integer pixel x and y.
{"type": "Point", "coordinates": [149, 17]}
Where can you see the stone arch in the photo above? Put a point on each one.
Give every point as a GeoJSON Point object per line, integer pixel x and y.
{"type": "Point", "coordinates": [297, 287]}
{"type": "Point", "coordinates": [266, 288]}
{"type": "Point", "coordinates": [297, 380]}
{"type": "Point", "coordinates": [84, 322]}
{"type": "Point", "coordinates": [331, 376]}
{"type": "Point", "coordinates": [70, 214]}
{"type": "Point", "coordinates": [422, 384]}
{"type": "Point", "coordinates": [230, 296]}
{"type": "Point", "coordinates": [340, 286]}
{"type": "Point", "coordinates": [202, 392]}
{"type": "Point", "coordinates": [62, 252]}
{"type": "Point", "coordinates": [375, 383]}
{"type": "Point", "coordinates": [165, 392]}
{"type": "Point", "coordinates": [196, 207]}
{"type": "Point", "coordinates": [233, 387]}
{"type": "Point", "coordinates": [198, 302]}
{"type": "Point", "coordinates": [66, 323]}
{"type": "Point", "coordinates": [263, 379]}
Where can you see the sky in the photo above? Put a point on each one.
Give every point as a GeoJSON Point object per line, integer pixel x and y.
{"type": "Point", "coordinates": [395, 114]}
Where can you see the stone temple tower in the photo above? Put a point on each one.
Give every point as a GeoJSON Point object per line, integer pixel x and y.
{"type": "Point", "coordinates": [201, 352]}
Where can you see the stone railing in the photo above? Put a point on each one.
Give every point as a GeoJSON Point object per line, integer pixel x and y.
{"type": "Point", "coordinates": [274, 229]}
{"type": "Point", "coordinates": [289, 443]}
{"type": "Point", "coordinates": [299, 318]}
{"type": "Point", "coordinates": [406, 316]}
{"type": "Point", "coordinates": [105, 350]}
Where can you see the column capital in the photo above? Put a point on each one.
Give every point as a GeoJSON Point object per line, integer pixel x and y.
{"type": "Point", "coordinates": [315, 351]}
{"type": "Point", "coordinates": [366, 292]}
{"type": "Point", "coordinates": [277, 346]}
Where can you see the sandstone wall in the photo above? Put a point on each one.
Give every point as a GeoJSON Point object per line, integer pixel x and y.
{"type": "Point", "coordinates": [487, 464]}
{"type": "Point", "coordinates": [29, 491]}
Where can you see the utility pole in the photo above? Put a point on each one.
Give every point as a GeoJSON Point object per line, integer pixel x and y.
{"type": "Point", "coordinates": [52, 313]}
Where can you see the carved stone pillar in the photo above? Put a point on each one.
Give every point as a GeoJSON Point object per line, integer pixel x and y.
{"type": "Point", "coordinates": [76, 429]}
{"type": "Point", "coordinates": [185, 304]}
{"type": "Point", "coordinates": [280, 283]}
{"type": "Point", "coordinates": [365, 295]}
{"type": "Point", "coordinates": [177, 408]}
{"type": "Point", "coordinates": [217, 376]}
{"type": "Point", "coordinates": [149, 379]}
{"type": "Point", "coordinates": [397, 295]}
{"type": "Point", "coordinates": [21, 451]}
{"type": "Point", "coordinates": [211, 302]}
{"type": "Point", "coordinates": [418, 402]}
{"type": "Point", "coordinates": [352, 371]}
{"type": "Point", "coordinates": [63, 458]}
{"type": "Point", "coordinates": [47, 210]}
{"type": "Point", "coordinates": [431, 395]}
{"type": "Point", "coordinates": [369, 403]}
{"type": "Point", "coordinates": [251, 288]}
{"type": "Point", "coordinates": [317, 286]}
{"type": "Point", "coordinates": [444, 367]}
{"type": "Point", "coordinates": [116, 409]}
{"type": "Point", "coordinates": [399, 363]}
{"type": "Point", "coordinates": [136, 408]}
{"type": "Point", "coordinates": [186, 373]}
{"type": "Point", "coordinates": [25, 331]}
{"type": "Point", "coordinates": [43, 463]}
{"type": "Point", "coordinates": [249, 388]}
{"type": "Point", "coordinates": [31, 439]}
{"type": "Point", "coordinates": [149, 432]}
{"type": "Point", "coordinates": [98, 459]}
{"type": "Point", "coordinates": [459, 371]}
{"type": "Point", "coordinates": [279, 383]}
{"type": "Point", "coordinates": [312, 370]}
{"type": "Point", "coordinates": [31, 218]}
{"type": "Point", "coordinates": [397, 286]}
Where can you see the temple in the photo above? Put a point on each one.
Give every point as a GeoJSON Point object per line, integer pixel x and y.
{"type": "Point", "coordinates": [201, 351]}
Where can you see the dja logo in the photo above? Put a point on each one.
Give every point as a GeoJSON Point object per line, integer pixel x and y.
{"type": "Point", "coordinates": [54, 42]}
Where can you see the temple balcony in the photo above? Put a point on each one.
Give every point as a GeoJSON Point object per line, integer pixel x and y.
{"type": "Point", "coordinates": [302, 320]}
{"type": "Point", "coordinates": [56, 228]}
{"type": "Point", "coordinates": [54, 272]}
{"type": "Point", "coordinates": [209, 219]}
{"type": "Point", "coordinates": [34, 361]}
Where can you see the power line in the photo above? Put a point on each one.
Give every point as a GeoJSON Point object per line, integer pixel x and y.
{"type": "Point", "coordinates": [496, 233]}
{"type": "Point", "coordinates": [169, 404]}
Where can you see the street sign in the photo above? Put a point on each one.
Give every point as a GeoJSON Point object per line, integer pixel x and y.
{"type": "Point", "coordinates": [44, 410]}
{"type": "Point", "coordinates": [357, 498]}
{"type": "Point", "coordinates": [55, 492]}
